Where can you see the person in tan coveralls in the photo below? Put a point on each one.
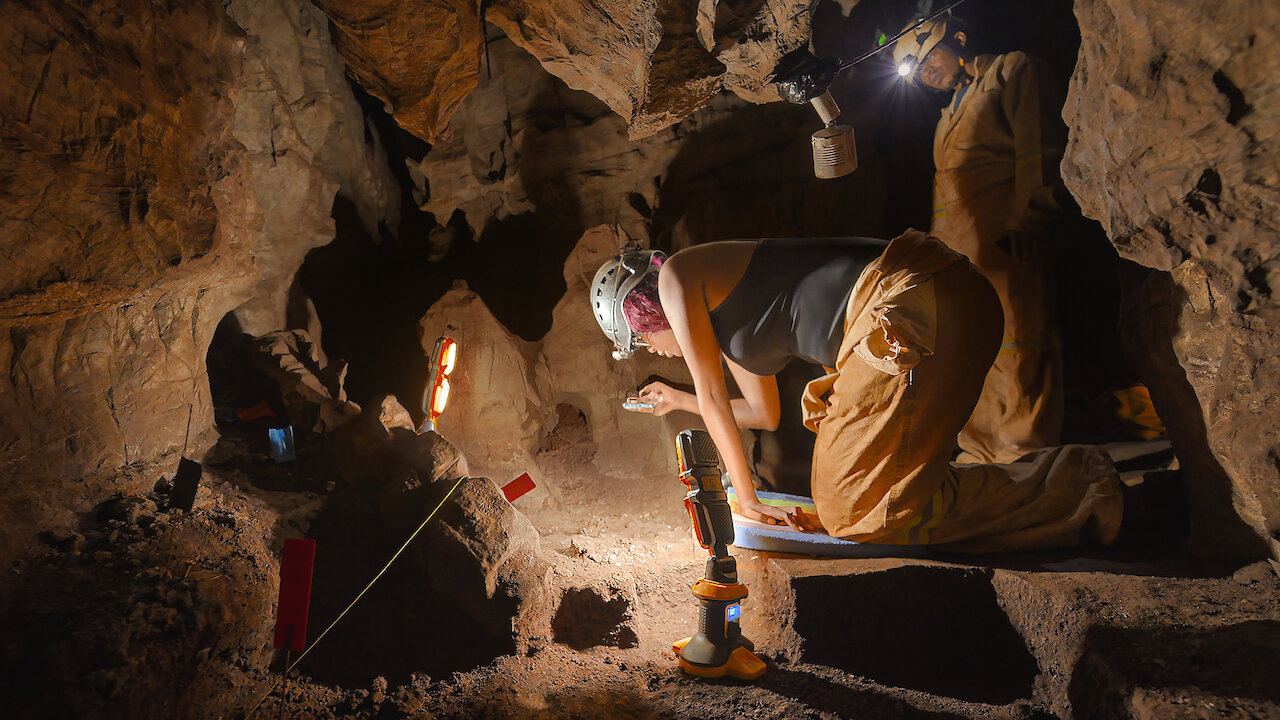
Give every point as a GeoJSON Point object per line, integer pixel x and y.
{"type": "Point", "coordinates": [996, 153]}
{"type": "Point", "coordinates": [906, 357]}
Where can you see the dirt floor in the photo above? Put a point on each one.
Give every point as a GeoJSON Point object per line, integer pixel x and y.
{"type": "Point", "coordinates": [147, 609]}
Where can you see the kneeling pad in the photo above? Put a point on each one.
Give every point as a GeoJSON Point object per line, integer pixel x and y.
{"type": "Point", "coordinates": [752, 535]}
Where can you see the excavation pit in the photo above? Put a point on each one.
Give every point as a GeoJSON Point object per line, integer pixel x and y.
{"type": "Point", "coordinates": [587, 618]}
{"type": "Point", "coordinates": [932, 628]}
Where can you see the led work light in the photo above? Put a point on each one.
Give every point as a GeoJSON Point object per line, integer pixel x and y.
{"type": "Point", "coordinates": [444, 358]}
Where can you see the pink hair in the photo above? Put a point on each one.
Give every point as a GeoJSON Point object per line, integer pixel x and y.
{"type": "Point", "coordinates": [642, 308]}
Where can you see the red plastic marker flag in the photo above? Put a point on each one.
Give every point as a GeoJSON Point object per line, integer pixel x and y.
{"type": "Point", "coordinates": [518, 487]}
{"type": "Point", "coordinates": [253, 412]}
{"type": "Point", "coordinates": [296, 565]}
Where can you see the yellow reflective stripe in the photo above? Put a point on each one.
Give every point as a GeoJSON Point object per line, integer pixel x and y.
{"type": "Point", "coordinates": [917, 533]}
{"type": "Point", "coordinates": [936, 502]}
{"type": "Point", "coordinates": [940, 210]}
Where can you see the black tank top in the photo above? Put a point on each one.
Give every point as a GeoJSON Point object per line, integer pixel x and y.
{"type": "Point", "coordinates": [791, 301]}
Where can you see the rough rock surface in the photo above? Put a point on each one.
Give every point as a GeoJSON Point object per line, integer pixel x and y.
{"type": "Point", "coordinates": [117, 268]}
{"type": "Point", "coordinates": [505, 156]}
{"type": "Point", "coordinates": [420, 57]}
{"type": "Point", "coordinates": [652, 63]}
{"type": "Point", "coordinates": [311, 389]}
{"type": "Point", "coordinates": [486, 556]}
{"type": "Point", "coordinates": [500, 396]}
{"type": "Point", "coordinates": [304, 139]}
{"type": "Point", "coordinates": [506, 390]}
{"type": "Point", "coordinates": [1174, 113]}
{"type": "Point", "coordinates": [381, 446]}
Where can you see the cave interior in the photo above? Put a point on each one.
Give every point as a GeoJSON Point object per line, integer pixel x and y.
{"type": "Point", "coordinates": [228, 219]}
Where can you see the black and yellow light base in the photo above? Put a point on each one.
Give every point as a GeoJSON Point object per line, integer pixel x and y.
{"type": "Point", "coordinates": [719, 649]}
{"type": "Point", "coordinates": [742, 663]}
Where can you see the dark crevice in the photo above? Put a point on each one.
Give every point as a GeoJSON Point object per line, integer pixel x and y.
{"type": "Point", "coordinates": [1117, 665]}
{"type": "Point", "coordinates": [936, 630]}
{"type": "Point", "coordinates": [587, 619]}
{"type": "Point", "coordinates": [1157, 66]}
{"type": "Point", "coordinates": [1237, 107]}
{"type": "Point", "coordinates": [1208, 189]}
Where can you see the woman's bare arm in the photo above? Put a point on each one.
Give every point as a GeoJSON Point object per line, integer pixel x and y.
{"type": "Point", "coordinates": [758, 409]}
{"type": "Point", "coordinates": [681, 291]}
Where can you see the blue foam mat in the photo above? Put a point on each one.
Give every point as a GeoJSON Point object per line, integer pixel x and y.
{"type": "Point", "coordinates": [751, 535]}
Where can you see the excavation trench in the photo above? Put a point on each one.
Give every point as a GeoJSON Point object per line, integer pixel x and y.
{"type": "Point", "coordinates": [938, 630]}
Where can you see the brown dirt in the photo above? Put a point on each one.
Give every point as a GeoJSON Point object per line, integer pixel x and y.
{"type": "Point", "coordinates": [149, 613]}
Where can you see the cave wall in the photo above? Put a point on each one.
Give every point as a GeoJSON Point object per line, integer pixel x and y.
{"type": "Point", "coordinates": [303, 139]}
{"type": "Point", "coordinates": [1174, 117]}
{"type": "Point", "coordinates": [506, 390]}
{"type": "Point", "coordinates": [420, 57]}
{"type": "Point", "coordinates": [163, 165]}
{"type": "Point", "coordinates": [116, 268]}
{"type": "Point", "coordinates": [549, 182]}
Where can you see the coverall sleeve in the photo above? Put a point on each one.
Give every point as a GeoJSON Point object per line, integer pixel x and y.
{"type": "Point", "coordinates": [1033, 107]}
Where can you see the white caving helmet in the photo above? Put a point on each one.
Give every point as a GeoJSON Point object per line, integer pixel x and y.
{"type": "Point", "coordinates": [613, 282]}
{"type": "Point", "coordinates": [915, 46]}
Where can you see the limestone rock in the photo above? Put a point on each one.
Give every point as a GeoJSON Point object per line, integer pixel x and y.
{"type": "Point", "coordinates": [750, 37]}
{"type": "Point", "coordinates": [116, 269]}
{"type": "Point", "coordinates": [487, 557]}
{"type": "Point", "coordinates": [381, 447]}
{"type": "Point", "coordinates": [1175, 147]}
{"type": "Point", "coordinates": [420, 57]}
{"type": "Point", "coordinates": [505, 159]}
{"type": "Point", "coordinates": [653, 64]}
{"type": "Point", "coordinates": [304, 139]}
{"type": "Point", "coordinates": [311, 389]}
{"type": "Point", "coordinates": [656, 64]}
{"type": "Point", "coordinates": [111, 140]}
{"type": "Point", "coordinates": [500, 398]}
{"type": "Point", "coordinates": [643, 60]}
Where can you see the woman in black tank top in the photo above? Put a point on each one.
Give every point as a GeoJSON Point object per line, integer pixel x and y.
{"type": "Point", "coordinates": [756, 305]}
{"type": "Point", "coordinates": [908, 331]}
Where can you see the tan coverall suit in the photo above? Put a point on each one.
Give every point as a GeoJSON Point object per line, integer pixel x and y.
{"type": "Point", "coordinates": [996, 155]}
{"type": "Point", "coordinates": [920, 330]}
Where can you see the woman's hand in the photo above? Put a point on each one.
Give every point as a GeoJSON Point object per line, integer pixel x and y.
{"type": "Point", "coordinates": [664, 397]}
{"type": "Point", "coordinates": [792, 517]}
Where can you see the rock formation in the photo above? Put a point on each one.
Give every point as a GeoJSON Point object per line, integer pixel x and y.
{"type": "Point", "coordinates": [310, 388]}
{"type": "Point", "coordinates": [499, 401]}
{"type": "Point", "coordinates": [304, 139]}
{"type": "Point", "coordinates": [421, 57]}
{"type": "Point", "coordinates": [1174, 148]}
{"type": "Point", "coordinates": [118, 265]}
{"type": "Point", "coordinates": [653, 64]}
